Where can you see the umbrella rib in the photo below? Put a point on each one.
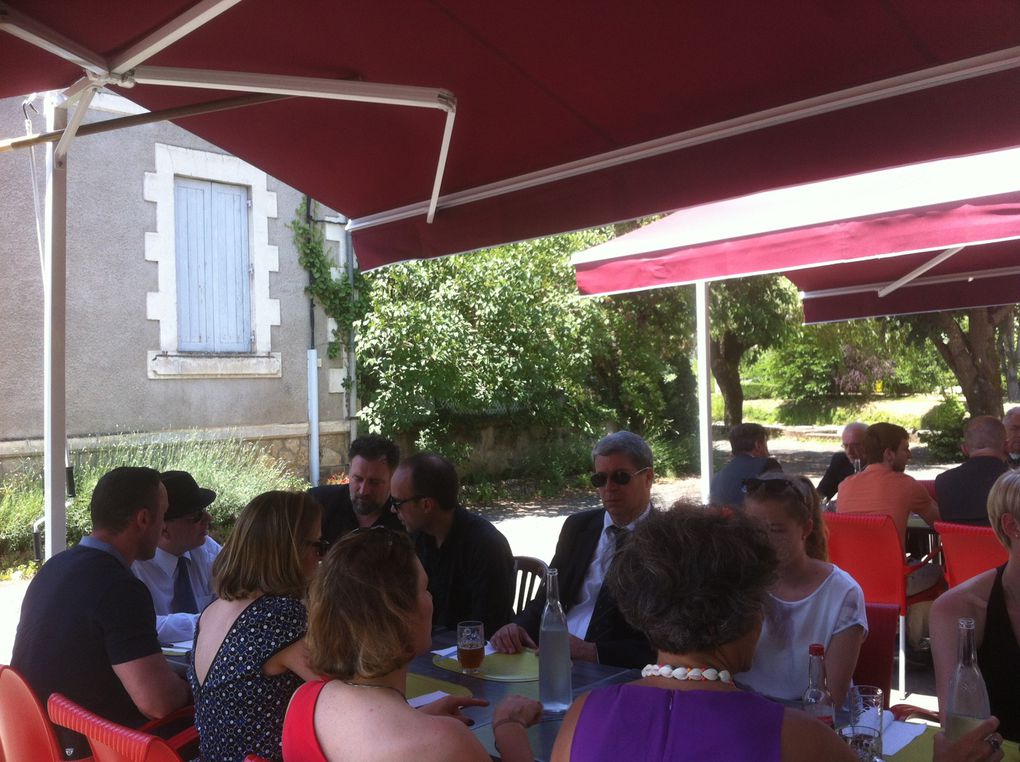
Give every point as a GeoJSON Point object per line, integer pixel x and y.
{"type": "Point", "coordinates": [35, 33]}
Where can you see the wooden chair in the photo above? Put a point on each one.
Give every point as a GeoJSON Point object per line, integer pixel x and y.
{"type": "Point", "coordinates": [869, 549]}
{"type": "Point", "coordinates": [529, 574]}
{"type": "Point", "coordinates": [969, 550]}
{"type": "Point", "coordinates": [25, 730]}
{"type": "Point", "coordinates": [112, 742]}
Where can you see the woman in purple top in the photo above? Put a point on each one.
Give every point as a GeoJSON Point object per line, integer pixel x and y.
{"type": "Point", "coordinates": [694, 581]}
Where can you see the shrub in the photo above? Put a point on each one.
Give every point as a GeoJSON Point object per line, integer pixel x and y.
{"type": "Point", "coordinates": [236, 470]}
{"type": "Point", "coordinates": [942, 430]}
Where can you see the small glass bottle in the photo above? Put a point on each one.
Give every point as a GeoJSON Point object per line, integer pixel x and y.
{"type": "Point", "coordinates": [816, 700]}
{"type": "Point", "coordinates": [967, 700]}
{"type": "Point", "coordinates": [554, 684]}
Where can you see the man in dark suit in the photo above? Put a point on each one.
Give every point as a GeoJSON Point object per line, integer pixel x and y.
{"type": "Point", "coordinates": [962, 492]}
{"type": "Point", "coordinates": [365, 500]}
{"type": "Point", "coordinates": [846, 463]}
{"type": "Point", "coordinates": [586, 546]}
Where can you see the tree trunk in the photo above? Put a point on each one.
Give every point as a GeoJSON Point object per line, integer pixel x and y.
{"type": "Point", "coordinates": [973, 356]}
{"type": "Point", "coordinates": [726, 354]}
{"type": "Point", "coordinates": [1009, 346]}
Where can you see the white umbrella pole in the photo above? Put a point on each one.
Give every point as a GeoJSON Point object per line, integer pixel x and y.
{"type": "Point", "coordinates": [704, 388]}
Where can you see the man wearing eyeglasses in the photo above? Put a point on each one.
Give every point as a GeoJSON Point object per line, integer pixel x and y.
{"type": "Point", "coordinates": [750, 445]}
{"type": "Point", "coordinates": [365, 500]}
{"type": "Point", "coordinates": [846, 463]}
{"type": "Point", "coordinates": [587, 544]}
{"type": "Point", "coordinates": [179, 575]}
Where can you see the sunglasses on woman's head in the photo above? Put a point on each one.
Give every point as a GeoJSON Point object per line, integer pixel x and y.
{"type": "Point", "coordinates": [619, 476]}
{"type": "Point", "coordinates": [771, 487]}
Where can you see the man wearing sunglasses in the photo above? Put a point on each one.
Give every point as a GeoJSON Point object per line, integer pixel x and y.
{"type": "Point", "coordinates": [179, 576]}
{"type": "Point", "coordinates": [587, 543]}
{"type": "Point", "coordinates": [365, 500]}
{"type": "Point", "coordinates": [750, 445]}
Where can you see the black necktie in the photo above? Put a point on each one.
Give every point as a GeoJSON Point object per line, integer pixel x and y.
{"type": "Point", "coordinates": [184, 597]}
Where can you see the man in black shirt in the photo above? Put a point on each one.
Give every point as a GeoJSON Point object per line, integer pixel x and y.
{"type": "Point", "coordinates": [468, 562]}
{"type": "Point", "coordinates": [962, 492]}
{"type": "Point", "coordinates": [843, 463]}
{"type": "Point", "coordinates": [88, 627]}
{"type": "Point", "coordinates": [365, 500]}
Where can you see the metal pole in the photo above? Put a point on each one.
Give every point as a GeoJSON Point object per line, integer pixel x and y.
{"type": "Point", "coordinates": [352, 383]}
{"type": "Point", "coordinates": [55, 335]}
{"type": "Point", "coordinates": [704, 388]}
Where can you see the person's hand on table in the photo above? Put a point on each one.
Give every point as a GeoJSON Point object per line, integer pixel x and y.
{"type": "Point", "coordinates": [511, 639]}
{"type": "Point", "coordinates": [450, 706]}
{"type": "Point", "coordinates": [582, 650]}
{"type": "Point", "coordinates": [516, 710]}
{"type": "Point", "coordinates": [979, 745]}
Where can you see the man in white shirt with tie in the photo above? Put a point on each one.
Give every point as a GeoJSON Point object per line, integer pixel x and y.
{"type": "Point", "coordinates": [179, 576]}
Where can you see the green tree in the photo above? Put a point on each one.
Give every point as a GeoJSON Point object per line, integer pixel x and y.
{"type": "Point", "coordinates": [747, 315]}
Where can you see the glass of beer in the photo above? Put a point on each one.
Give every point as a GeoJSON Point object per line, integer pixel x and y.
{"type": "Point", "coordinates": [470, 646]}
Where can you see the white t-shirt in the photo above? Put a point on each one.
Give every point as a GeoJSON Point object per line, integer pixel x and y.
{"type": "Point", "coordinates": [780, 667]}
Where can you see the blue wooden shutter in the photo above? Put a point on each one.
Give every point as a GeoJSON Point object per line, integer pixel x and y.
{"type": "Point", "coordinates": [213, 281]}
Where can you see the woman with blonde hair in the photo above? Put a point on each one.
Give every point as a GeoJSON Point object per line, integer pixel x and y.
{"type": "Point", "coordinates": [370, 614]}
{"type": "Point", "coordinates": [250, 653]}
{"type": "Point", "coordinates": [992, 600]}
{"type": "Point", "coordinates": [811, 601]}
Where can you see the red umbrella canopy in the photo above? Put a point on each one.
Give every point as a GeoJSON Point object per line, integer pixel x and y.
{"type": "Point", "coordinates": [542, 85]}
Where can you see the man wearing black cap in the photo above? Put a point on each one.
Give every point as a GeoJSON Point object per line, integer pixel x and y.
{"type": "Point", "coordinates": [179, 576]}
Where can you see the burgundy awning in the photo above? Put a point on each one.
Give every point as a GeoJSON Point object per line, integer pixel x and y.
{"type": "Point", "coordinates": [558, 88]}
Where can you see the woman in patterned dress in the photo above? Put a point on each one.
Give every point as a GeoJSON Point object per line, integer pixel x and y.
{"type": "Point", "coordinates": [250, 653]}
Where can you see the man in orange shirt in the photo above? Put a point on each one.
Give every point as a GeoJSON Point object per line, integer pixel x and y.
{"type": "Point", "coordinates": [883, 488]}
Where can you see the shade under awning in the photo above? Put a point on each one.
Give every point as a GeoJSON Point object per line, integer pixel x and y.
{"type": "Point", "coordinates": [842, 262]}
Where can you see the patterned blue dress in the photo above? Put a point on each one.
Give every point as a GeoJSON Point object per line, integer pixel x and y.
{"type": "Point", "coordinates": [239, 709]}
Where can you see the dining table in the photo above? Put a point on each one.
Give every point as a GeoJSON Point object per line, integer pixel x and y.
{"type": "Point", "coordinates": [584, 677]}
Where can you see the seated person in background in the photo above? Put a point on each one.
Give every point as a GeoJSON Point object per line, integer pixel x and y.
{"type": "Point", "coordinates": [250, 652]}
{"type": "Point", "coordinates": [179, 576]}
{"type": "Point", "coordinates": [365, 500]}
{"type": "Point", "coordinates": [845, 463]}
{"type": "Point", "coordinates": [695, 581]}
{"type": "Point", "coordinates": [992, 600]}
{"type": "Point", "coordinates": [585, 548]}
{"type": "Point", "coordinates": [750, 445]}
{"type": "Point", "coordinates": [467, 560]}
{"type": "Point", "coordinates": [370, 614]}
{"type": "Point", "coordinates": [1012, 423]}
{"type": "Point", "coordinates": [811, 601]}
{"type": "Point", "coordinates": [963, 491]}
{"type": "Point", "coordinates": [87, 627]}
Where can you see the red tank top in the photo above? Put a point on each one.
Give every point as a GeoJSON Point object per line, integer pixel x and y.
{"type": "Point", "coordinates": [299, 741]}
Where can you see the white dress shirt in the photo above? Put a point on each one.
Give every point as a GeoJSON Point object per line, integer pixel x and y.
{"type": "Point", "coordinates": [158, 575]}
{"type": "Point", "coordinates": [579, 617]}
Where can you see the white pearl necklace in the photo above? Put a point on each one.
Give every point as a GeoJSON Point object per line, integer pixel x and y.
{"type": "Point", "coordinates": [685, 673]}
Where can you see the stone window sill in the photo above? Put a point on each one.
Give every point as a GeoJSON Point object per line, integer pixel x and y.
{"type": "Point", "coordinates": [169, 365]}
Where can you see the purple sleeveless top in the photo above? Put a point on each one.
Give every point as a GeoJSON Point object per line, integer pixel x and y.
{"type": "Point", "coordinates": [637, 722]}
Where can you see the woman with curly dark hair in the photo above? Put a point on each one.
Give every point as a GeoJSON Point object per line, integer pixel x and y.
{"type": "Point", "coordinates": [695, 581]}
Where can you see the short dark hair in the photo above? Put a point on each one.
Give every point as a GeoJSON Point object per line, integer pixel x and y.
{"type": "Point", "coordinates": [375, 447]}
{"type": "Point", "coordinates": [121, 493]}
{"type": "Point", "coordinates": [435, 477]}
{"type": "Point", "coordinates": [881, 437]}
{"type": "Point", "coordinates": [744, 436]}
{"type": "Point", "coordinates": [627, 442]}
{"type": "Point", "coordinates": [360, 606]}
{"type": "Point", "coordinates": [693, 578]}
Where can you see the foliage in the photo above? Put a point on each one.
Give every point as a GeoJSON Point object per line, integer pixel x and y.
{"type": "Point", "coordinates": [942, 429]}
{"type": "Point", "coordinates": [341, 300]}
{"type": "Point", "coordinates": [236, 470]}
{"type": "Point", "coordinates": [804, 367]}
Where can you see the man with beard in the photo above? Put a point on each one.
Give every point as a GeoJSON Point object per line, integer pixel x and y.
{"type": "Point", "coordinates": [365, 500]}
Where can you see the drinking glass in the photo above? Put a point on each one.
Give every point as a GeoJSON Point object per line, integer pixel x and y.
{"type": "Point", "coordinates": [865, 741]}
{"type": "Point", "coordinates": [866, 716]}
{"type": "Point", "coordinates": [470, 646]}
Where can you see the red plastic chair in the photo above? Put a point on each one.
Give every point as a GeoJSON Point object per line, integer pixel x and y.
{"type": "Point", "coordinates": [112, 742]}
{"type": "Point", "coordinates": [969, 550]}
{"type": "Point", "coordinates": [255, 758]}
{"type": "Point", "coordinates": [875, 660]}
{"type": "Point", "coordinates": [25, 731]}
{"type": "Point", "coordinates": [869, 549]}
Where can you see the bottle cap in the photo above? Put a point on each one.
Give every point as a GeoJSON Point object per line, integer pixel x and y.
{"type": "Point", "coordinates": [816, 649]}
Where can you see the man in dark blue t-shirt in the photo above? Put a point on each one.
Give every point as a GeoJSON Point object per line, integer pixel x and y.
{"type": "Point", "coordinates": [88, 627]}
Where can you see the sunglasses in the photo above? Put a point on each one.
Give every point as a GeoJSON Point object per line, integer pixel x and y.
{"type": "Point", "coordinates": [600, 479]}
{"type": "Point", "coordinates": [320, 546]}
{"type": "Point", "coordinates": [772, 488]}
{"type": "Point", "coordinates": [395, 504]}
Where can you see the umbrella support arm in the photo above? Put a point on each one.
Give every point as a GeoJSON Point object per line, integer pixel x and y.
{"type": "Point", "coordinates": [919, 271]}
